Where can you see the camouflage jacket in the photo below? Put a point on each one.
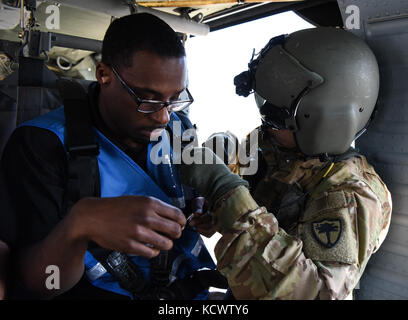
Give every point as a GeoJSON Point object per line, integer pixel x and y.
{"type": "Point", "coordinates": [315, 247]}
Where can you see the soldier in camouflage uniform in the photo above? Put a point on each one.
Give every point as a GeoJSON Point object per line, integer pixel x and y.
{"type": "Point", "coordinates": [317, 210]}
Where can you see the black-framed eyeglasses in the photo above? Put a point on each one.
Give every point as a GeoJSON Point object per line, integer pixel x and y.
{"type": "Point", "coordinates": [151, 106]}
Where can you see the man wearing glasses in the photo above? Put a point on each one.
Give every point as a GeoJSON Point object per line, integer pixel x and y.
{"type": "Point", "coordinates": [133, 241]}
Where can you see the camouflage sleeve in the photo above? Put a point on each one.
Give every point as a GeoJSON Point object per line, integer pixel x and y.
{"type": "Point", "coordinates": [324, 260]}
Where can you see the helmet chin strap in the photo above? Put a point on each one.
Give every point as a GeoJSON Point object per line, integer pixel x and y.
{"type": "Point", "coordinates": [290, 122]}
{"type": "Point", "coordinates": [373, 115]}
{"type": "Point", "coordinates": [280, 118]}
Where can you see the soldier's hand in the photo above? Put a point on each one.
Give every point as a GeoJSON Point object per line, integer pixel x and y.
{"type": "Point", "coordinates": [208, 174]}
{"type": "Point", "coordinates": [129, 224]}
{"type": "Point", "coordinates": [202, 220]}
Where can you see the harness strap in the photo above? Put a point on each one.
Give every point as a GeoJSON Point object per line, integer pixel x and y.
{"type": "Point", "coordinates": [83, 170]}
{"type": "Point", "coordinates": [188, 288]}
{"type": "Point", "coordinates": [126, 272]}
{"type": "Point", "coordinates": [160, 269]}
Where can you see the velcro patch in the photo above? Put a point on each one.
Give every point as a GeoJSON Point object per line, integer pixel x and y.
{"type": "Point", "coordinates": [326, 201]}
{"type": "Point", "coordinates": [343, 244]}
{"type": "Point", "coordinates": [327, 232]}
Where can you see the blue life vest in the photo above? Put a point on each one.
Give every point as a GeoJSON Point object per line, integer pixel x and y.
{"type": "Point", "coordinates": [120, 176]}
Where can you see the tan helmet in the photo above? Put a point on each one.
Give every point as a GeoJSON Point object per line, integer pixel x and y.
{"type": "Point", "coordinates": [320, 83]}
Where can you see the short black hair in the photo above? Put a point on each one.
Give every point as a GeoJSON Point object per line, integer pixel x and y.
{"type": "Point", "coordinates": [139, 32]}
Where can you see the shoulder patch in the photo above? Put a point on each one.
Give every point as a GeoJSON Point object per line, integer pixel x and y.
{"type": "Point", "coordinates": [327, 232]}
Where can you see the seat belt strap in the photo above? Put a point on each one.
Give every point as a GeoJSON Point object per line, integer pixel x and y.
{"type": "Point", "coordinates": [83, 170]}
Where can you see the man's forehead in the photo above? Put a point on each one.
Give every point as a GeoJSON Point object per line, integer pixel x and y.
{"type": "Point", "coordinates": [149, 70]}
{"type": "Point", "coordinates": [146, 59]}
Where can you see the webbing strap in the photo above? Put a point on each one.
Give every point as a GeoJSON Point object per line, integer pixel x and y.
{"type": "Point", "coordinates": [83, 170]}
{"type": "Point", "coordinates": [188, 288]}
{"type": "Point", "coordinates": [80, 134]}
{"type": "Point", "coordinates": [160, 269]}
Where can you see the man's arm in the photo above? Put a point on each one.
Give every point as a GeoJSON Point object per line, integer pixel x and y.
{"type": "Point", "coordinates": [124, 224]}
{"type": "Point", "coordinates": [262, 261]}
{"type": "Point", "coordinates": [34, 166]}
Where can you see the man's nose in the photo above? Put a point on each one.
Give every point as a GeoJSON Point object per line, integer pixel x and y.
{"type": "Point", "coordinates": [162, 116]}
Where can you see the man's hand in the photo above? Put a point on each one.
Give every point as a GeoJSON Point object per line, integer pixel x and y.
{"type": "Point", "coordinates": [129, 224]}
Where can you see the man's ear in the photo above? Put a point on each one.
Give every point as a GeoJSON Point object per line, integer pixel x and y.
{"type": "Point", "coordinates": [103, 73]}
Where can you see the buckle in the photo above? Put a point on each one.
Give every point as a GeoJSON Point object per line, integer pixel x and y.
{"type": "Point", "coordinates": [84, 150]}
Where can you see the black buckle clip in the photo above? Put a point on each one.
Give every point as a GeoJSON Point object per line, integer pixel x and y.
{"type": "Point", "coordinates": [84, 150]}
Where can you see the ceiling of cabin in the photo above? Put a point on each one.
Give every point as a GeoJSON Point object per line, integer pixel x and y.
{"type": "Point", "coordinates": [90, 18]}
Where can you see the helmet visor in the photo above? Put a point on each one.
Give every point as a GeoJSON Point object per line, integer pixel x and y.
{"type": "Point", "coordinates": [273, 116]}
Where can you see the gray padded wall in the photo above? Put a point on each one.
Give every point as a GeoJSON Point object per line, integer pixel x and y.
{"type": "Point", "coordinates": [384, 25]}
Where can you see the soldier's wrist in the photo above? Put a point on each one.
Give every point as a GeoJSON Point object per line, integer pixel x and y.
{"type": "Point", "coordinates": [231, 207]}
